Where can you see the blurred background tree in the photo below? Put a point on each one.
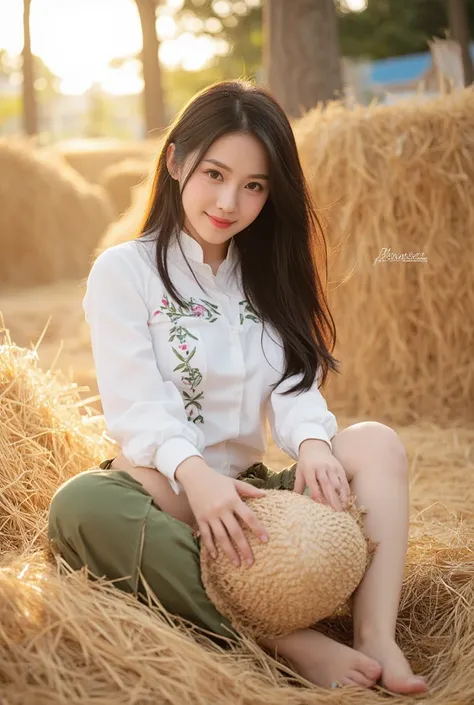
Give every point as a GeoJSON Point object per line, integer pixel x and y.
{"type": "Point", "coordinates": [30, 111]}
{"type": "Point", "coordinates": [153, 99]}
{"type": "Point", "coordinates": [458, 13]}
{"type": "Point", "coordinates": [301, 53]}
{"type": "Point", "coordinates": [294, 46]}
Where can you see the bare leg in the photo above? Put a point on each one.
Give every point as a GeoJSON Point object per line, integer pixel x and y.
{"type": "Point", "coordinates": [376, 464]}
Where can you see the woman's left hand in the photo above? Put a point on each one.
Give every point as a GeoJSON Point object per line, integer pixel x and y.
{"type": "Point", "coordinates": [322, 473]}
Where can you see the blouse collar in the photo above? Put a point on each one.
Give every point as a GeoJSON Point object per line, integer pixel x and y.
{"type": "Point", "coordinates": [193, 251]}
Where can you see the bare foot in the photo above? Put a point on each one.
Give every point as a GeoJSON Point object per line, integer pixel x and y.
{"type": "Point", "coordinates": [323, 661]}
{"type": "Point", "coordinates": [397, 675]}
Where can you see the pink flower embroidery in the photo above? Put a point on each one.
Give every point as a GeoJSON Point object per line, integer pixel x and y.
{"type": "Point", "coordinates": [156, 313]}
{"type": "Point", "coordinates": [198, 310]}
{"type": "Point", "coordinates": [165, 302]}
{"type": "Point", "coordinates": [183, 347]}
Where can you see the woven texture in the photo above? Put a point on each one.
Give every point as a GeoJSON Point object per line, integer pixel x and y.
{"type": "Point", "coordinates": [313, 562]}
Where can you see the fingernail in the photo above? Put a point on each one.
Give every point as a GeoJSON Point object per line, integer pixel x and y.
{"type": "Point", "coordinates": [264, 538]}
{"type": "Point", "coordinates": [249, 561]}
{"type": "Point", "coordinates": [236, 563]}
{"type": "Point", "coordinates": [213, 555]}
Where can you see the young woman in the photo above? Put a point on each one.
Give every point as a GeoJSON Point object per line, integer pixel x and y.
{"type": "Point", "coordinates": [210, 322]}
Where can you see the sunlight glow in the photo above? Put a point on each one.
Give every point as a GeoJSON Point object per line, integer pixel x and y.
{"type": "Point", "coordinates": [356, 5]}
{"type": "Point", "coordinates": [78, 40]}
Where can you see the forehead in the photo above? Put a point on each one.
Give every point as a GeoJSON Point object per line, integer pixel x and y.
{"type": "Point", "coordinates": [238, 150]}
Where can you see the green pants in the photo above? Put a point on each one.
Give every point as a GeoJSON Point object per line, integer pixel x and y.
{"type": "Point", "coordinates": [107, 521]}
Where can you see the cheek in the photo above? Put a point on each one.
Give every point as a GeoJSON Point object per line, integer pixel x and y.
{"type": "Point", "coordinates": [197, 194]}
{"type": "Point", "coordinates": [193, 195]}
{"type": "Point", "coordinates": [254, 205]}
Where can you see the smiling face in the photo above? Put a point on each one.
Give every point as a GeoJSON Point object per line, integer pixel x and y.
{"type": "Point", "coordinates": [227, 190]}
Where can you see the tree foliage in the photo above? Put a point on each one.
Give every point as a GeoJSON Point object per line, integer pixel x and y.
{"type": "Point", "coordinates": [394, 27]}
{"type": "Point", "coordinates": [240, 26]}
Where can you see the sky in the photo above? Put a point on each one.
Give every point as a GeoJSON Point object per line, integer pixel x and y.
{"type": "Point", "coordinates": [77, 40]}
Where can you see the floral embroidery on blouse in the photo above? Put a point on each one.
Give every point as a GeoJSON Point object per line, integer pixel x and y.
{"type": "Point", "coordinates": [246, 311]}
{"type": "Point", "coordinates": [191, 376]}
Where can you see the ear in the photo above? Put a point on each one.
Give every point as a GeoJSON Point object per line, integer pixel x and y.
{"type": "Point", "coordinates": [170, 161]}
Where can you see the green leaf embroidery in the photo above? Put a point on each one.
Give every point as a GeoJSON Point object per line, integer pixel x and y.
{"type": "Point", "coordinates": [180, 357]}
{"type": "Point", "coordinates": [191, 376]}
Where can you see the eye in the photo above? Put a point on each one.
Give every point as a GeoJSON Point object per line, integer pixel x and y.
{"type": "Point", "coordinates": [255, 183]}
{"type": "Point", "coordinates": [212, 173]}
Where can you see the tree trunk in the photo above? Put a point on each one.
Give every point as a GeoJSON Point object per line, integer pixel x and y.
{"type": "Point", "coordinates": [459, 31]}
{"type": "Point", "coordinates": [153, 101]}
{"type": "Point", "coordinates": [301, 53]}
{"type": "Point", "coordinates": [30, 113]}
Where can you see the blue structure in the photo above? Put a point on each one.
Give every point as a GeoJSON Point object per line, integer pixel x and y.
{"type": "Point", "coordinates": [402, 69]}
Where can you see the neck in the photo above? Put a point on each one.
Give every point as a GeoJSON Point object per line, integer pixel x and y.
{"type": "Point", "coordinates": [213, 255]}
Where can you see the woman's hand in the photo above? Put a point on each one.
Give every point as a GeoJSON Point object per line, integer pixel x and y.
{"type": "Point", "coordinates": [322, 473]}
{"type": "Point", "coordinates": [216, 503]}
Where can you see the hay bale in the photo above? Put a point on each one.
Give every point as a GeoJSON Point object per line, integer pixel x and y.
{"type": "Point", "coordinates": [128, 226]}
{"type": "Point", "coordinates": [321, 556]}
{"type": "Point", "coordinates": [398, 177]}
{"type": "Point", "coordinates": [50, 218]}
{"type": "Point", "coordinates": [64, 639]}
{"type": "Point", "coordinates": [90, 157]}
{"type": "Point", "coordinates": [120, 179]}
{"type": "Point", "coordinates": [47, 435]}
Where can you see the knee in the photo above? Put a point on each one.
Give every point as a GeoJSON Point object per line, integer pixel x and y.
{"type": "Point", "coordinates": [369, 439]}
{"type": "Point", "coordinates": [72, 504]}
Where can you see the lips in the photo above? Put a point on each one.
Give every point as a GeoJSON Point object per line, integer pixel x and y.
{"type": "Point", "coordinates": [218, 222]}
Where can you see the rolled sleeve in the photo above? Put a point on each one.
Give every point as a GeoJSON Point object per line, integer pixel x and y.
{"type": "Point", "coordinates": [295, 418]}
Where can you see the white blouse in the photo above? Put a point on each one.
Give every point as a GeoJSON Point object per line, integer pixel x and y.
{"type": "Point", "coordinates": [177, 382]}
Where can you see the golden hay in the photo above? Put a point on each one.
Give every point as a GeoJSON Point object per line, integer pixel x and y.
{"type": "Point", "coordinates": [119, 180]}
{"type": "Point", "coordinates": [65, 639]}
{"type": "Point", "coordinates": [128, 226]}
{"type": "Point", "coordinates": [50, 218]}
{"type": "Point", "coordinates": [398, 177]}
{"type": "Point", "coordinates": [44, 440]}
{"type": "Point", "coordinates": [91, 156]}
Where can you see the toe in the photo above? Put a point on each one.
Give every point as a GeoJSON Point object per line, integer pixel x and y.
{"type": "Point", "coordinates": [369, 668]}
{"type": "Point", "coordinates": [361, 679]}
{"type": "Point", "coordinates": [349, 682]}
{"type": "Point", "coordinates": [404, 686]}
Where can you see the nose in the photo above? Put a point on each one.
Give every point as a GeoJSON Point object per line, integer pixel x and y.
{"type": "Point", "coordinates": [227, 199]}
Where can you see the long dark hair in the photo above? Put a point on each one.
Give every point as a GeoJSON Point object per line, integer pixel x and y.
{"type": "Point", "coordinates": [278, 251]}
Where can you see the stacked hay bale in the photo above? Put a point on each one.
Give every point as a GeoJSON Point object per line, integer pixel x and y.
{"type": "Point", "coordinates": [399, 178]}
{"type": "Point", "coordinates": [90, 157]}
{"type": "Point", "coordinates": [50, 218]}
{"type": "Point", "coordinates": [44, 440]}
{"type": "Point", "coordinates": [120, 179]}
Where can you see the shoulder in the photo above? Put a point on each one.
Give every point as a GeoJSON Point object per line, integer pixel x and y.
{"type": "Point", "coordinates": [131, 259]}
{"type": "Point", "coordinates": [119, 279]}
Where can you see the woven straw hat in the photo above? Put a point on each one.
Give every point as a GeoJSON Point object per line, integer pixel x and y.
{"type": "Point", "coordinates": [313, 562]}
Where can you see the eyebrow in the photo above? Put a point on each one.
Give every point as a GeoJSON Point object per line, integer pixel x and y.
{"type": "Point", "coordinates": [227, 168]}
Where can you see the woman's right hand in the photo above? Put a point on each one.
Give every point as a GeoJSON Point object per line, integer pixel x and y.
{"type": "Point", "coordinates": [217, 505]}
